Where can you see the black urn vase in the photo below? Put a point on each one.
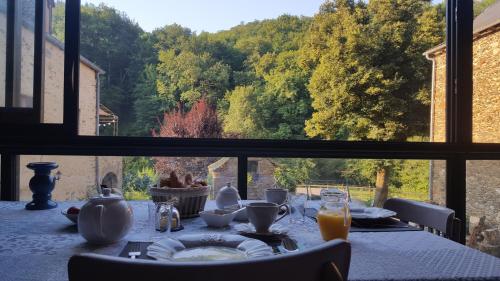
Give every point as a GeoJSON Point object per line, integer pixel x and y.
{"type": "Point", "coordinates": [42, 184]}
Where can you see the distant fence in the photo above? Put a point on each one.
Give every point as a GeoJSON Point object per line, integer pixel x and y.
{"type": "Point", "coordinates": [362, 193]}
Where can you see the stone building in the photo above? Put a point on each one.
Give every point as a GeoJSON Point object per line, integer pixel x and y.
{"type": "Point", "coordinates": [483, 177]}
{"type": "Point", "coordinates": [260, 175]}
{"type": "Point", "coordinates": [79, 174]}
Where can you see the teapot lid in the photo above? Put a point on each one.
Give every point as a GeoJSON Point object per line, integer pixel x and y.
{"type": "Point", "coordinates": [106, 195]}
{"type": "Point", "coordinates": [228, 188]}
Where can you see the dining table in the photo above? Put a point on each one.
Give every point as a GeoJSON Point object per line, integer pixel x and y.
{"type": "Point", "coordinates": [36, 245]}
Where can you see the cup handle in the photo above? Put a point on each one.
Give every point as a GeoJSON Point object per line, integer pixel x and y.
{"type": "Point", "coordinates": [286, 213]}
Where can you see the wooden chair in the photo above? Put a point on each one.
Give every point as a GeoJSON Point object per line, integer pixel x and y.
{"type": "Point", "coordinates": [436, 219]}
{"type": "Point", "coordinates": [327, 262]}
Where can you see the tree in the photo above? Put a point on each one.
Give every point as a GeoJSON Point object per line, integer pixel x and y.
{"type": "Point", "coordinates": [363, 85]}
{"type": "Point", "coordinates": [187, 77]}
{"type": "Point", "coordinates": [242, 116]}
{"type": "Point", "coordinates": [148, 105]}
{"type": "Point", "coordinates": [118, 45]}
{"type": "Point", "coordinates": [291, 172]}
{"type": "Point", "coordinates": [200, 121]}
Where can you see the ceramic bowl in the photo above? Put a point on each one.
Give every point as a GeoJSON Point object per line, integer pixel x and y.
{"type": "Point", "coordinates": [218, 217]}
{"type": "Point", "coordinates": [71, 217]}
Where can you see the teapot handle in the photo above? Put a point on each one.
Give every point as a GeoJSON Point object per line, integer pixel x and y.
{"type": "Point", "coordinates": [100, 209]}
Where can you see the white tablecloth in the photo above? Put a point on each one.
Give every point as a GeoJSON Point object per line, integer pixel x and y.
{"type": "Point", "coordinates": [36, 245]}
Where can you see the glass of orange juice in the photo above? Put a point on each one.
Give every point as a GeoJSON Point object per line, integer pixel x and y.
{"type": "Point", "coordinates": [334, 218]}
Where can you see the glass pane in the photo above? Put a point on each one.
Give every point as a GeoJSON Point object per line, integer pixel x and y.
{"type": "Point", "coordinates": [53, 94]}
{"type": "Point", "coordinates": [3, 45]}
{"type": "Point", "coordinates": [132, 176]}
{"type": "Point", "coordinates": [486, 66]}
{"type": "Point", "coordinates": [264, 70]}
{"type": "Point", "coordinates": [24, 59]}
{"type": "Point", "coordinates": [23, 67]}
{"type": "Point", "coordinates": [21, 95]}
{"type": "Point", "coordinates": [483, 205]}
{"type": "Point", "coordinates": [370, 181]}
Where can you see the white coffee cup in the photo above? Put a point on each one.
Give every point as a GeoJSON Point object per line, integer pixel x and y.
{"type": "Point", "coordinates": [276, 195]}
{"type": "Point", "coordinates": [263, 214]}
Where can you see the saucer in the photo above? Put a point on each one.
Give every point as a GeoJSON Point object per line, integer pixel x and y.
{"type": "Point", "coordinates": [275, 229]}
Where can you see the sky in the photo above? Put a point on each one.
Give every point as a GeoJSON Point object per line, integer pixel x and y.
{"type": "Point", "coordinates": [207, 15]}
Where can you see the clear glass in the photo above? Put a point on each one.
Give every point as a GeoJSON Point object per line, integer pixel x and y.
{"type": "Point", "coordinates": [53, 92]}
{"type": "Point", "coordinates": [24, 49]}
{"type": "Point", "coordinates": [131, 176]}
{"type": "Point", "coordinates": [420, 180]}
{"type": "Point", "coordinates": [3, 46]}
{"type": "Point", "coordinates": [297, 207]}
{"type": "Point", "coordinates": [483, 205]}
{"type": "Point", "coordinates": [264, 70]}
{"type": "Point", "coordinates": [334, 217]}
{"type": "Point", "coordinates": [485, 69]}
{"type": "Point", "coordinates": [24, 59]}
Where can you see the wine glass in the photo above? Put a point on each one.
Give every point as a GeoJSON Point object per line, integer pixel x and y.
{"type": "Point", "coordinates": [297, 202]}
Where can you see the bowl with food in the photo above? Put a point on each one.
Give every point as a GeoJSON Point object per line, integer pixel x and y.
{"type": "Point", "coordinates": [71, 213]}
{"type": "Point", "coordinates": [189, 196]}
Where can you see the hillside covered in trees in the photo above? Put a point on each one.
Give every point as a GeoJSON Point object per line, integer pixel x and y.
{"type": "Point", "coordinates": [354, 71]}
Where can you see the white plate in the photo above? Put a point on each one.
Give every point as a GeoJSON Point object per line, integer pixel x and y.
{"type": "Point", "coordinates": [371, 213]}
{"type": "Point", "coordinates": [208, 247]}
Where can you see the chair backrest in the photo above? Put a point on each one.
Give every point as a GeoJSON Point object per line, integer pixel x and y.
{"type": "Point", "coordinates": [436, 219]}
{"type": "Point", "coordinates": [330, 261]}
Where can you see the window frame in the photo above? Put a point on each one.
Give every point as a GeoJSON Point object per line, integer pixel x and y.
{"type": "Point", "coordinates": [11, 116]}
{"type": "Point", "coordinates": [63, 139]}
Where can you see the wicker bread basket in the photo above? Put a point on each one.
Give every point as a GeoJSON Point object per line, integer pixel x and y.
{"type": "Point", "coordinates": [191, 200]}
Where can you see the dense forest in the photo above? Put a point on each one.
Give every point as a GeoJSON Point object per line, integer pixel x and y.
{"type": "Point", "coordinates": [354, 71]}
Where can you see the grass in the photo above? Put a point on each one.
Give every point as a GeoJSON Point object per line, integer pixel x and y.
{"type": "Point", "coordinates": [136, 195]}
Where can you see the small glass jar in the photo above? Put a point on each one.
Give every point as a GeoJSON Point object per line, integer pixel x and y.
{"type": "Point", "coordinates": [163, 216]}
{"type": "Point", "coordinates": [334, 217]}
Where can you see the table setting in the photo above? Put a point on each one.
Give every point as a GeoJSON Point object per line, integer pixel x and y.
{"type": "Point", "coordinates": [36, 245]}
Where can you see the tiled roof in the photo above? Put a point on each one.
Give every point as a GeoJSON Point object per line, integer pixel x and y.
{"type": "Point", "coordinates": [488, 18]}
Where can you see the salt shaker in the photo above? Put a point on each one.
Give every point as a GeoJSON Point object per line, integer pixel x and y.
{"type": "Point", "coordinates": [163, 216]}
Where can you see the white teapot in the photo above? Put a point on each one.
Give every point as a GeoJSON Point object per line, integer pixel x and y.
{"type": "Point", "coordinates": [227, 196]}
{"type": "Point", "coordinates": [105, 219]}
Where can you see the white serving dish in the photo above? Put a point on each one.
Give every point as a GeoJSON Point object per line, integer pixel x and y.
{"type": "Point", "coordinates": [241, 215]}
{"type": "Point", "coordinates": [371, 213]}
{"type": "Point", "coordinates": [218, 217]}
{"type": "Point", "coordinates": [208, 247]}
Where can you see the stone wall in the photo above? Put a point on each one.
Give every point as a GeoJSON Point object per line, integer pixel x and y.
{"type": "Point", "coordinates": [111, 164]}
{"type": "Point", "coordinates": [483, 177]}
{"type": "Point", "coordinates": [79, 176]}
{"type": "Point", "coordinates": [262, 179]}
{"type": "Point", "coordinates": [227, 174]}
{"type": "Point", "coordinates": [259, 180]}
